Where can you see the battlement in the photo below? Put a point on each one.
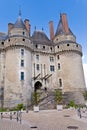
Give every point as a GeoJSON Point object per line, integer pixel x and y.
{"type": "Point", "coordinates": [16, 40]}
{"type": "Point", "coordinates": [67, 46]}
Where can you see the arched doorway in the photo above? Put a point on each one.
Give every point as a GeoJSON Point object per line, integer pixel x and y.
{"type": "Point", "coordinates": [37, 85]}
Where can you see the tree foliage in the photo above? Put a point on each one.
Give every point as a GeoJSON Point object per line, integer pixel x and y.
{"type": "Point", "coordinates": [85, 95]}
{"type": "Point", "coordinates": [58, 96]}
{"type": "Point", "coordinates": [36, 98]}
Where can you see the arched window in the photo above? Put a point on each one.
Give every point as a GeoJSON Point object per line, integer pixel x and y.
{"type": "Point", "coordinates": [60, 82]}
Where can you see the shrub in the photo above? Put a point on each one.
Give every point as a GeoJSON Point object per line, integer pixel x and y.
{"type": "Point", "coordinates": [71, 104]}
{"type": "Point", "coordinates": [58, 96]}
{"type": "Point", "coordinates": [85, 95]}
{"type": "Point", "coordinates": [20, 106]}
{"type": "Point", "coordinates": [3, 109]}
{"type": "Point", "coordinates": [36, 98]}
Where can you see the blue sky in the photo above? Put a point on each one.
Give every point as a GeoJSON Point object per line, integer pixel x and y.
{"type": "Point", "coordinates": [40, 12]}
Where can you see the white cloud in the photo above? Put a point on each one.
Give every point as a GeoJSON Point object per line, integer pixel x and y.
{"type": "Point", "coordinates": [85, 72]}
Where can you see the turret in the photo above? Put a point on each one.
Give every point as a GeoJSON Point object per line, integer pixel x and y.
{"type": "Point", "coordinates": [63, 32]}
{"type": "Point", "coordinates": [70, 61]}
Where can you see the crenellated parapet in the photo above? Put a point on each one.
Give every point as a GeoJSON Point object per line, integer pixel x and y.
{"type": "Point", "coordinates": [18, 41]}
{"type": "Point", "coordinates": [68, 47]}
{"type": "Point", "coordinates": [63, 37]}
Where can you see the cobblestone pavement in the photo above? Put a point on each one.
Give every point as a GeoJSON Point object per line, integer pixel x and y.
{"type": "Point", "coordinates": [46, 120]}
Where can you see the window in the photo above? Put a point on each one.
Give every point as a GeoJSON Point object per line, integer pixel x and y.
{"type": "Point", "coordinates": [51, 48]}
{"type": "Point", "coordinates": [67, 44]}
{"type": "Point", "coordinates": [9, 40]}
{"type": "Point", "coordinates": [51, 59]}
{"type": "Point", "coordinates": [23, 33]}
{"type": "Point", "coordinates": [22, 52]}
{"type": "Point", "coordinates": [22, 63]}
{"type": "Point", "coordinates": [43, 47]}
{"type": "Point", "coordinates": [60, 82]}
{"type": "Point", "coordinates": [23, 39]}
{"type": "Point", "coordinates": [52, 68]}
{"type": "Point", "coordinates": [37, 66]}
{"type": "Point", "coordinates": [37, 57]}
{"type": "Point", "coordinates": [22, 75]}
{"type": "Point", "coordinates": [58, 57]}
{"type": "Point", "coordinates": [36, 46]}
{"type": "Point", "coordinates": [58, 66]}
{"type": "Point", "coordinates": [77, 45]}
{"type": "Point", "coordinates": [2, 43]}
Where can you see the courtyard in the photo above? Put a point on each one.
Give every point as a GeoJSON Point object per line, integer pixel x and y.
{"type": "Point", "coordinates": [67, 119]}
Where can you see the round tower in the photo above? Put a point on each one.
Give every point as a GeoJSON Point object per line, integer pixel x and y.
{"type": "Point", "coordinates": [18, 69]}
{"type": "Point", "coordinates": [69, 60]}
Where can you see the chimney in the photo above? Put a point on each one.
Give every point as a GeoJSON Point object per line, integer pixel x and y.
{"type": "Point", "coordinates": [10, 26]}
{"type": "Point", "coordinates": [27, 25]}
{"type": "Point", "coordinates": [51, 30]}
{"type": "Point", "coordinates": [65, 23]}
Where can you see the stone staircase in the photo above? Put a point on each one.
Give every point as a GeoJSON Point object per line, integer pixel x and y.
{"type": "Point", "coordinates": [47, 101]}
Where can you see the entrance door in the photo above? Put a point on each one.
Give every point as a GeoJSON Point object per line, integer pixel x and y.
{"type": "Point", "coordinates": [37, 85]}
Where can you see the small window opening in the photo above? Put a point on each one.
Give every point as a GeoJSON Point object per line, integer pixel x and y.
{"type": "Point", "coordinates": [22, 52]}
{"type": "Point", "coordinates": [60, 82]}
{"type": "Point", "coordinates": [58, 66]}
{"type": "Point", "coordinates": [22, 75]}
{"type": "Point", "coordinates": [23, 33]}
{"type": "Point", "coordinates": [2, 43]}
{"type": "Point", "coordinates": [37, 67]}
{"type": "Point", "coordinates": [22, 63]}
{"type": "Point", "coordinates": [43, 47]}
{"type": "Point", "coordinates": [58, 57]}
{"type": "Point", "coordinates": [23, 39]}
{"type": "Point", "coordinates": [51, 48]}
{"type": "Point", "coordinates": [36, 46]}
{"type": "Point", "coordinates": [57, 46]}
{"type": "Point", "coordinates": [67, 44]}
{"type": "Point", "coordinates": [9, 40]}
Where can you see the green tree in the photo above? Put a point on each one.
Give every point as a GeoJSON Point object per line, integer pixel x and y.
{"type": "Point", "coordinates": [36, 98]}
{"type": "Point", "coordinates": [85, 95]}
{"type": "Point", "coordinates": [20, 106]}
{"type": "Point", "coordinates": [58, 96]}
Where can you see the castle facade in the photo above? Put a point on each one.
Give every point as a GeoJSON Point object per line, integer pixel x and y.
{"type": "Point", "coordinates": [31, 62]}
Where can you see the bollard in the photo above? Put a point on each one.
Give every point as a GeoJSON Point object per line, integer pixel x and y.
{"type": "Point", "coordinates": [17, 116]}
{"type": "Point", "coordinates": [20, 116]}
{"type": "Point", "coordinates": [10, 115]}
{"type": "Point", "coordinates": [1, 115]}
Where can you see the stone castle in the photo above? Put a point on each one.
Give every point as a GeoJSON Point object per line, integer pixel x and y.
{"type": "Point", "coordinates": [31, 62]}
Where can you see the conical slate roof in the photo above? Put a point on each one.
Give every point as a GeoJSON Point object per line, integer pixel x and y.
{"type": "Point", "coordinates": [40, 37]}
{"type": "Point", "coordinates": [60, 28]}
{"type": "Point", "coordinates": [19, 23]}
{"type": "Point", "coordinates": [2, 36]}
